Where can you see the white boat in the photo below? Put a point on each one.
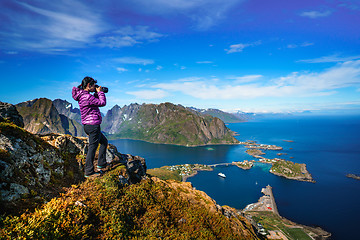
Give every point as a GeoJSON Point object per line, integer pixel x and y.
{"type": "Point", "coordinates": [221, 175]}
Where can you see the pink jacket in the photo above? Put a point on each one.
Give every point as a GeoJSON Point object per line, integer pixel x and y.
{"type": "Point", "coordinates": [89, 105]}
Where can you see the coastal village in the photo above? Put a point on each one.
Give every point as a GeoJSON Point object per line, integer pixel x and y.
{"type": "Point", "coordinates": [280, 167]}
{"type": "Point", "coordinates": [263, 214]}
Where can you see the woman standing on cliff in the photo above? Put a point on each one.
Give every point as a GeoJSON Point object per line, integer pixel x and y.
{"type": "Point", "coordinates": [91, 119]}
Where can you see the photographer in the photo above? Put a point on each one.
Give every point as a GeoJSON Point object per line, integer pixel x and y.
{"type": "Point", "coordinates": [91, 119]}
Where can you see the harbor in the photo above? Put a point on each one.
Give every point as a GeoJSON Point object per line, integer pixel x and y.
{"type": "Point", "coordinates": [265, 203]}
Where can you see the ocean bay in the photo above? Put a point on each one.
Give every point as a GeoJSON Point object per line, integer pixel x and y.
{"type": "Point", "coordinates": [328, 145]}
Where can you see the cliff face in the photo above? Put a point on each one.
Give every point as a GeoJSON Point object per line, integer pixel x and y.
{"type": "Point", "coordinates": [65, 108]}
{"type": "Point", "coordinates": [166, 123]}
{"type": "Point", "coordinates": [41, 117]}
{"type": "Point", "coordinates": [117, 116]}
{"type": "Point", "coordinates": [30, 167]}
{"type": "Point", "coordinates": [33, 169]}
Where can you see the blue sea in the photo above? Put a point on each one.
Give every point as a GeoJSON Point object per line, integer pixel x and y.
{"type": "Point", "coordinates": [329, 145]}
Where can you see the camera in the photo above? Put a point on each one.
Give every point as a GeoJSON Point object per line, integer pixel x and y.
{"type": "Point", "coordinates": [103, 89]}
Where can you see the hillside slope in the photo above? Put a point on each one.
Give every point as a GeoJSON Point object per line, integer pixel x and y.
{"type": "Point", "coordinates": [166, 123]}
{"type": "Point", "coordinates": [152, 209]}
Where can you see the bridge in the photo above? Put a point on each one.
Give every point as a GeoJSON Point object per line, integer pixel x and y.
{"type": "Point", "coordinates": [220, 164]}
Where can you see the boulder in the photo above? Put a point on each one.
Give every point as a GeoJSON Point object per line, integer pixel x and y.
{"type": "Point", "coordinates": [136, 168]}
{"type": "Point", "coordinates": [9, 112]}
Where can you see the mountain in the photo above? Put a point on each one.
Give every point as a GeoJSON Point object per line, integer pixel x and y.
{"type": "Point", "coordinates": [41, 117]}
{"type": "Point", "coordinates": [244, 115]}
{"type": "Point", "coordinates": [224, 116]}
{"type": "Point", "coordinates": [166, 123]}
{"type": "Point", "coordinates": [66, 108]}
{"type": "Point", "coordinates": [34, 170]}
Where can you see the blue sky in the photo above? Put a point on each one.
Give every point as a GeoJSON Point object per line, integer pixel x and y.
{"type": "Point", "coordinates": [247, 55]}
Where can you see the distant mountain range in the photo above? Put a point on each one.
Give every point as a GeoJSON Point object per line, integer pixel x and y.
{"type": "Point", "coordinates": [166, 123]}
{"type": "Point", "coordinates": [163, 123]}
{"type": "Point", "coordinates": [224, 116]}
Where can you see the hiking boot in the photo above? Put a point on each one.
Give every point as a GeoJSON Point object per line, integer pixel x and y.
{"type": "Point", "coordinates": [103, 168]}
{"type": "Point", "coordinates": [93, 175]}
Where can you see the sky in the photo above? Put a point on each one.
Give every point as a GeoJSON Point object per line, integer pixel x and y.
{"type": "Point", "coordinates": [233, 55]}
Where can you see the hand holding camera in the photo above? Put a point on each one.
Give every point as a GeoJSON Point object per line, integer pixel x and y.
{"type": "Point", "coordinates": [100, 88]}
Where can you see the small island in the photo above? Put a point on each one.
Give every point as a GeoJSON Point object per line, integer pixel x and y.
{"type": "Point", "coordinates": [280, 167]}
{"type": "Point", "coordinates": [244, 164]}
{"type": "Point", "coordinates": [255, 152]}
{"type": "Point", "coordinates": [354, 176]}
{"type": "Point", "coordinates": [291, 170]}
{"type": "Point", "coordinates": [253, 144]}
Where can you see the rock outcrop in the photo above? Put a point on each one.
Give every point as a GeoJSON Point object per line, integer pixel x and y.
{"type": "Point", "coordinates": [9, 112]}
{"type": "Point", "coordinates": [33, 169]}
{"type": "Point", "coordinates": [29, 166]}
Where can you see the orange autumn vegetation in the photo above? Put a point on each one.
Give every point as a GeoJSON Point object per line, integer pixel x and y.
{"type": "Point", "coordinates": [103, 209]}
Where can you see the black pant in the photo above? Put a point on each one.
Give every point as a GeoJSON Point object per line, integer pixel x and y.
{"type": "Point", "coordinates": [95, 137]}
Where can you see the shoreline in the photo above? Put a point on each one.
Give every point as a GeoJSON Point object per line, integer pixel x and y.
{"type": "Point", "coordinates": [173, 144]}
{"type": "Point", "coordinates": [264, 213]}
{"type": "Point", "coordinates": [196, 170]}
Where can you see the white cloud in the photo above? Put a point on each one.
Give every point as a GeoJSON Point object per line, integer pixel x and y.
{"type": "Point", "coordinates": [134, 60]}
{"type": "Point", "coordinates": [204, 62]}
{"type": "Point", "coordinates": [159, 67]}
{"type": "Point", "coordinates": [245, 79]}
{"type": "Point", "coordinates": [129, 36]}
{"type": "Point", "coordinates": [120, 69]}
{"type": "Point", "coordinates": [305, 44]}
{"type": "Point", "coordinates": [51, 27]}
{"type": "Point", "coordinates": [240, 47]}
{"type": "Point", "coordinates": [294, 85]}
{"type": "Point", "coordinates": [315, 14]}
{"type": "Point", "coordinates": [149, 94]}
{"type": "Point", "coordinates": [331, 58]}
{"type": "Point", "coordinates": [204, 13]}
{"type": "Point", "coordinates": [117, 41]}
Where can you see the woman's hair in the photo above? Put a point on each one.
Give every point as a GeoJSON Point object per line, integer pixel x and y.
{"type": "Point", "coordinates": [86, 81]}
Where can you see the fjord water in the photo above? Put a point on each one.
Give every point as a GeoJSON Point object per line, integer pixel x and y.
{"type": "Point", "coordinates": [330, 147]}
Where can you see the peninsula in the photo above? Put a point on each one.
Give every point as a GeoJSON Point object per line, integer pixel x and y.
{"type": "Point", "coordinates": [265, 218]}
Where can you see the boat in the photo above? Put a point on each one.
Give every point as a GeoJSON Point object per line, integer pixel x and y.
{"type": "Point", "coordinates": [221, 175]}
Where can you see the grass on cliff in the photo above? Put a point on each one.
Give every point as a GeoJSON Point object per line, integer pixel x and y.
{"type": "Point", "coordinates": [165, 174]}
{"type": "Point", "coordinates": [270, 221]}
{"type": "Point", "coordinates": [102, 209]}
{"type": "Point", "coordinates": [9, 129]}
{"type": "Point", "coordinates": [286, 166]}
